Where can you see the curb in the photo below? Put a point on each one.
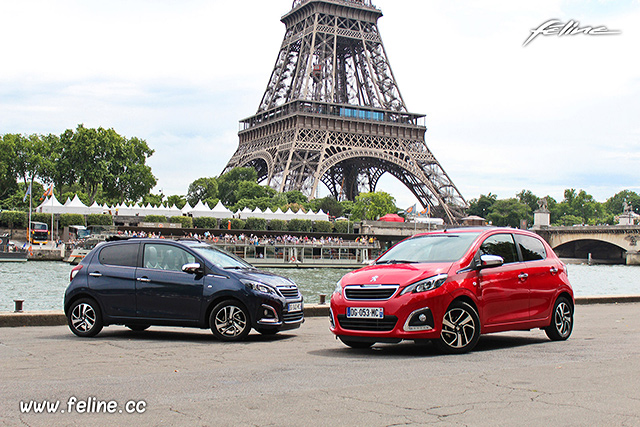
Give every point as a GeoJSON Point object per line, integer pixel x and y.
{"type": "Point", "coordinates": [57, 318]}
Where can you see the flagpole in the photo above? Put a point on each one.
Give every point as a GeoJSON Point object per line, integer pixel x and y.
{"type": "Point", "coordinates": [51, 196]}
{"type": "Point", "coordinates": [29, 226]}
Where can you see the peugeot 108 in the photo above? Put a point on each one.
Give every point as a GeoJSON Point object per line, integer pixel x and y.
{"type": "Point", "coordinates": [143, 282]}
{"type": "Point", "coordinates": [451, 286]}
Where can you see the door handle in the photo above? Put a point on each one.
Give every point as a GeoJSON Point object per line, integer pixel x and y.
{"type": "Point", "coordinates": [143, 279]}
{"type": "Point", "coordinates": [95, 274]}
{"type": "Point", "coordinates": [523, 276]}
{"type": "Point", "coordinates": [553, 270]}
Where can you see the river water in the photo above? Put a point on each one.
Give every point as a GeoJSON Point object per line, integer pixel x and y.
{"type": "Point", "coordinates": [41, 284]}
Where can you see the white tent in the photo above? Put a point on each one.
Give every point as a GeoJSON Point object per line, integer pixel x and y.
{"type": "Point", "coordinates": [51, 205]}
{"type": "Point", "coordinates": [76, 206]}
{"type": "Point", "coordinates": [95, 208]}
{"type": "Point", "coordinates": [219, 211]}
{"type": "Point", "coordinates": [186, 209]}
{"type": "Point", "coordinates": [201, 210]}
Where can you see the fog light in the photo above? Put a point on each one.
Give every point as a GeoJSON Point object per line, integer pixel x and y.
{"type": "Point", "coordinates": [422, 318]}
{"type": "Point", "coordinates": [419, 320]}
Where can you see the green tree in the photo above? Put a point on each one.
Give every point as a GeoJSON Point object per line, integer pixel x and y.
{"type": "Point", "coordinates": [373, 205]}
{"type": "Point", "coordinates": [615, 204]}
{"type": "Point", "coordinates": [482, 206]}
{"type": "Point", "coordinates": [529, 199]}
{"type": "Point", "coordinates": [296, 196]}
{"type": "Point", "coordinates": [94, 157]}
{"type": "Point", "coordinates": [508, 213]}
{"type": "Point", "coordinates": [202, 189]}
{"type": "Point", "coordinates": [331, 206]}
{"type": "Point", "coordinates": [229, 182]}
{"type": "Point", "coordinates": [178, 201]}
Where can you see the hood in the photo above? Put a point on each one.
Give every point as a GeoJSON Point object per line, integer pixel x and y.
{"type": "Point", "coordinates": [263, 276]}
{"type": "Point", "coordinates": [395, 274]}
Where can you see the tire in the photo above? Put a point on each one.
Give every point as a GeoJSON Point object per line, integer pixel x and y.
{"type": "Point", "coordinates": [268, 331]}
{"type": "Point", "coordinates": [357, 344]}
{"type": "Point", "coordinates": [561, 320]}
{"type": "Point", "coordinates": [229, 321]}
{"type": "Point", "coordinates": [85, 318]}
{"type": "Point", "coordinates": [138, 328]}
{"type": "Point", "coordinates": [460, 329]}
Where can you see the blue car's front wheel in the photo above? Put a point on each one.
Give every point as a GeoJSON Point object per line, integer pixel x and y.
{"type": "Point", "coordinates": [229, 321]}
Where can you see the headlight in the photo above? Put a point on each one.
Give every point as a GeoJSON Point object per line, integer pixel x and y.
{"type": "Point", "coordinates": [259, 287]}
{"type": "Point", "coordinates": [425, 285]}
{"type": "Point", "coordinates": [338, 289]}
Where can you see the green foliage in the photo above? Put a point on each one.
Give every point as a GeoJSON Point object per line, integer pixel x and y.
{"type": "Point", "coordinates": [256, 224]}
{"type": "Point", "coordinates": [224, 223]}
{"type": "Point", "coordinates": [529, 199]}
{"type": "Point", "coordinates": [577, 204]}
{"type": "Point", "coordinates": [237, 224]}
{"type": "Point", "coordinates": [155, 218]}
{"type": "Point", "coordinates": [152, 199]}
{"type": "Point", "coordinates": [94, 157]}
{"type": "Point", "coordinates": [508, 213]}
{"type": "Point", "coordinates": [331, 206]}
{"type": "Point", "coordinates": [99, 219]}
{"type": "Point", "coordinates": [295, 207]}
{"type": "Point", "coordinates": [178, 201]}
{"type": "Point", "coordinates": [41, 217]}
{"type": "Point", "coordinates": [202, 189]}
{"type": "Point", "coordinates": [206, 222]}
{"type": "Point", "coordinates": [277, 225]}
{"type": "Point", "coordinates": [615, 205]}
{"type": "Point", "coordinates": [301, 225]}
{"type": "Point", "coordinates": [185, 221]}
{"type": "Point", "coordinates": [373, 205]}
{"type": "Point", "coordinates": [229, 183]}
{"type": "Point", "coordinates": [323, 227]}
{"type": "Point", "coordinates": [343, 227]}
{"type": "Point", "coordinates": [569, 220]}
{"type": "Point", "coordinates": [482, 206]}
{"type": "Point", "coordinates": [296, 196]}
{"type": "Point", "coordinates": [13, 219]}
{"type": "Point", "coordinates": [71, 219]}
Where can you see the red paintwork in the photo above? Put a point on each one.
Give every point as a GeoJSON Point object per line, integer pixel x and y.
{"type": "Point", "coordinates": [503, 300]}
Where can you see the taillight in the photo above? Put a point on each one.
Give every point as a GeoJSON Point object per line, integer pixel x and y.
{"type": "Point", "coordinates": [74, 271]}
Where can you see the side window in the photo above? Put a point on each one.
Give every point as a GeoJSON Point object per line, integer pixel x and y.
{"type": "Point", "coordinates": [531, 248]}
{"type": "Point", "coordinates": [501, 245]}
{"type": "Point", "coordinates": [165, 257]}
{"type": "Point", "coordinates": [121, 254]}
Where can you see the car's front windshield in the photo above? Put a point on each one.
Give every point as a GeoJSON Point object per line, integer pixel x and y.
{"type": "Point", "coordinates": [445, 247]}
{"type": "Point", "coordinates": [220, 258]}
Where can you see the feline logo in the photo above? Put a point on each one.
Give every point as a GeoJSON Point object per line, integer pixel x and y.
{"type": "Point", "coordinates": [571, 28]}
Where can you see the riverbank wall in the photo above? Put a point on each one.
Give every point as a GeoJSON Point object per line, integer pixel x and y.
{"type": "Point", "coordinates": [57, 318]}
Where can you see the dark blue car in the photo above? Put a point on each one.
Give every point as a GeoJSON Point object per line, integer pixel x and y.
{"type": "Point", "coordinates": [144, 282]}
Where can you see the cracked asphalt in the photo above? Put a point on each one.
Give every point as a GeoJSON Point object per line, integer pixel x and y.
{"type": "Point", "coordinates": [307, 378]}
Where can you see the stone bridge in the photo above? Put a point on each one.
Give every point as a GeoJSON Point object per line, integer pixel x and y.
{"type": "Point", "coordinates": [615, 244]}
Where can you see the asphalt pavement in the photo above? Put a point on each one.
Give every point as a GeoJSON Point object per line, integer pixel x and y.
{"type": "Point", "coordinates": [174, 376]}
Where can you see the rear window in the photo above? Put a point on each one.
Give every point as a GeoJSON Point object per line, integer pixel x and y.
{"type": "Point", "coordinates": [531, 248]}
{"type": "Point", "coordinates": [125, 254]}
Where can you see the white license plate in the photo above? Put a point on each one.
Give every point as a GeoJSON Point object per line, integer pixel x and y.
{"type": "Point", "coordinates": [295, 306]}
{"type": "Point", "coordinates": [365, 312]}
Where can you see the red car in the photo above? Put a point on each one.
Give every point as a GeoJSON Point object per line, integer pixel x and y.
{"type": "Point", "coordinates": [451, 286]}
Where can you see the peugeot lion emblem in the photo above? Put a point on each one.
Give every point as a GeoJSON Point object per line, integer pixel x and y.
{"type": "Point", "coordinates": [373, 279]}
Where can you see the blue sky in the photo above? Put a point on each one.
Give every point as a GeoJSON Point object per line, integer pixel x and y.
{"type": "Point", "coordinates": [559, 113]}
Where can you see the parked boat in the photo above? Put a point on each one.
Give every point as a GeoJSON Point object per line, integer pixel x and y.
{"type": "Point", "coordinates": [10, 252]}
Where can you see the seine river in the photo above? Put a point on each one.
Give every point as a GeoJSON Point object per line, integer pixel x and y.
{"type": "Point", "coordinates": [42, 284]}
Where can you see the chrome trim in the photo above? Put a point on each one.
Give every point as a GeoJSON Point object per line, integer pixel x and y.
{"type": "Point", "coordinates": [408, 328]}
{"type": "Point", "coordinates": [217, 276]}
{"type": "Point", "coordinates": [376, 286]}
{"type": "Point", "coordinates": [267, 321]}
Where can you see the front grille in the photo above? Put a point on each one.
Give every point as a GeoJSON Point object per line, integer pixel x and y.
{"type": "Point", "coordinates": [292, 317]}
{"type": "Point", "coordinates": [368, 292]}
{"type": "Point", "coordinates": [385, 324]}
{"type": "Point", "coordinates": [289, 292]}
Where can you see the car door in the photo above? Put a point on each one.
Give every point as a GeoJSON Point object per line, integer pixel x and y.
{"type": "Point", "coordinates": [504, 292]}
{"type": "Point", "coordinates": [163, 290]}
{"type": "Point", "coordinates": [542, 271]}
{"type": "Point", "coordinates": [111, 277]}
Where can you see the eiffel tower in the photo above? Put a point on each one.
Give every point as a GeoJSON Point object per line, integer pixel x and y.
{"type": "Point", "coordinates": [333, 114]}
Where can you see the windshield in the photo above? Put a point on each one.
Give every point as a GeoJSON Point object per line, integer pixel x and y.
{"type": "Point", "coordinates": [429, 248]}
{"type": "Point", "coordinates": [220, 258]}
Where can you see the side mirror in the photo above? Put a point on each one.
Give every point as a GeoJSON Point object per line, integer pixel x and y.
{"type": "Point", "coordinates": [489, 261]}
{"type": "Point", "coordinates": [193, 268]}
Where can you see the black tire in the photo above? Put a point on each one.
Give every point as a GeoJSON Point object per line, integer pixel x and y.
{"type": "Point", "coordinates": [230, 321]}
{"type": "Point", "coordinates": [138, 328]}
{"type": "Point", "coordinates": [561, 320]}
{"type": "Point", "coordinates": [85, 318]}
{"type": "Point", "coordinates": [357, 344]}
{"type": "Point", "coordinates": [460, 329]}
{"type": "Point", "coordinates": [268, 331]}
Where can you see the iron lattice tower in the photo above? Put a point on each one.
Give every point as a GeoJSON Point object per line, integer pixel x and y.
{"type": "Point", "coordinates": [333, 113]}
